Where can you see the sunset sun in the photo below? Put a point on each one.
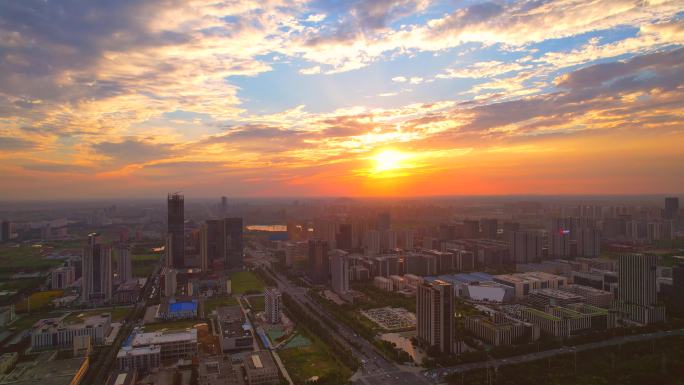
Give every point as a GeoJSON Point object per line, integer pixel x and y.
{"type": "Point", "coordinates": [389, 160]}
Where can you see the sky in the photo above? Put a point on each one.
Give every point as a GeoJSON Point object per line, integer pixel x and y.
{"type": "Point", "coordinates": [340, 98]}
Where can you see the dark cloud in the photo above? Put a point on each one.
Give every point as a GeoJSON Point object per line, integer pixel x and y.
{"type": "Point", "coordinates": [8, 143]}
{"type": "Point", "coordinates": [342, 126]}
{"type": "Point", "coordinates": [261, 138]}
{"type": "Point", "coordinates": [184, 165]}
{"type": "Point", "coordinates": [476, 14]}
{"type": "Point", "coordinates": [55, 167]}
{"type": "Point", "coordinates": [360, 17]}
{"type": "Point", "coordinates": [595, 87]}
{"type": "Point", "coordinates": [599, 74]}
{"type": "Point", "coordinates": [50, 37]}
{"type": "Point", "coordinates": [133, 150]}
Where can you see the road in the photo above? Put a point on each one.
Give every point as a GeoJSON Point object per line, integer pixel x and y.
{"type": "Point", "coordinates": [437, 375]}
{"type": "Point", "coordinates": [100, 369]}
{"type": "Point", "coordinates": [375, 368]}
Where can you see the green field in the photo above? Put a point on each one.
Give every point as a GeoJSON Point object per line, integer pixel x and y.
{"type": "Point", "coordinates": [38, 301]}
{"type": "Point", "coordinates": [144, 264]}
{"type": "Point", "coordinates": [246, 281]}
{"type": "Point", "coordinates": [118, 314]}
{"type": "Point", "coordinates": [15, 259]}
{"type": "Point", "coordinates": [381, 298]}
{"type": "Point", "coordinates": [215, 302]}
{"type": "Point", "coordinates": [316, 359]}
{"type": "Point", "coordinates": [6, 283]}
{"type": "Point", "coordinates": [649, 362]}
{"type": "Point", "coordinates": [257, 303]}
{"type": "Point", "coordinates": [172, 325]}
{"type": "Point", "coordinates": [146, 257]}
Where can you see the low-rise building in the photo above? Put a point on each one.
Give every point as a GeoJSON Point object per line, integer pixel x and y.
{"type": "Point", "coordinates": [552, 297]}
{"type": "Point", "coordinates": [526, 283]}
{"type": "Point", "coordinates": [563, 322]}
{"type": "Point", "coordinates": [82, 345]}
{"type": "Point", "coordinates": [7, 315]}
{"type": "Point", "coordinates": [173, 345]}
{"type": "Point", "coordinates": [55, 333]}
{"type": "Point", "coordinates": [127, 292]}
{"type": "Point", "coordinates": [485, 292]}
{"type": "Point", "coordinates": [62, 277]}
{"type": "Point", "coordinates": [261, 369]}
{"type": "Point", "coordinates": [592, 296]}
{"type": "Point", "coordinates": [7, 361]}
{"type": "Point", "coordinates": [129, 377]}
{"type": "Point", "coordinates": [383, 283]}
{"type": "Point", "coordinates": [499, 329]}
{"type": "Point", "coordinates": [398, 282]}
{"type": "Point", "coordinates": [218, 371]}
{"type": "Point", "coordinates": [412, 281]}
{"type": "Point", "coordinates": [234, 330]}
{"type": "Point", "coordinates": [142, 359]}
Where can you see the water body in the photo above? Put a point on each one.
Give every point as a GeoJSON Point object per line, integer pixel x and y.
{"type": "Point", "coordinates": [269, 228]}
{"type": "Point", "coordinates": [403, 341]}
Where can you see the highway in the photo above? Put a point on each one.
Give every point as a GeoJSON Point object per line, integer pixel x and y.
{"type": "Point", "coordinates": [437, 375]}
{"type": "Point", "coordinates": [375, 368]}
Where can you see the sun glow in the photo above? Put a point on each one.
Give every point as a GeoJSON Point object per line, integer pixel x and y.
{"type": "Point", "coordinates": [389, 160]}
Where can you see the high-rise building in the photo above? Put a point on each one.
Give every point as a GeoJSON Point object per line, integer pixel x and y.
{"type": "Point", "coordinates": [62, 277]}
{"type": "Point", "coordinates": [221, 240]}
{"type": "Point", "coordinates": [671, 208]}
{"type": "Point", "coordinates": [176, 228]}
{"type": "Point", "coordinates": [170, 282]}
{"type": "Point", "coordinates": [589, 242]}
{"type": "Point", "coordinates": [678, 285]}
{"type": "Point", "coordinates": [471, 229]}
{"type": "Point", "coordinates": [340, 272]}
{"type": "Point", "coordinates": [490, 227]}
{"type": "Point", "coordinates": [318, 261]}
{"type": "Point", "coordinates": [448, 231]}
{"type": "Point", "coordinates": [389, 240]}
{"type": "Point", "coordinates": [637, 288]}
{"type": "Point", "coordinates": [234, 243]}
{"type": "Point", "coordinates": [204, 247]}
{"type": "Point", "coordinates": [6, 231]}
{"type": "Point", "coordinates": [561, 233]}
{"type": "Point", "coordinates": [96, 282]}
{"type": "Point", "coordinates": [325, 229]}
{"type": "Point", "coordinates": [372, 243]}
{"type": "Point", "coordinates": [224, 206]}
{"type": "Point", "coordinates": [343, 237]}
{"type": "Point", "coordinates": [124, 267]}
{"type": "Point", "coordinates": [525, 246]}
{"type": "Point", "coordinates": [406, 239]}
{"type": "Point", "coordinates": [435, 313]}
{"type": "Point", "coordinates": [508, 227]}
{"type": "Point", "coordinates": [637, 279]}
{"type": "Point", "coordinates": [384, 222]}
{"type": "Point", "coordinates": [272, 305]}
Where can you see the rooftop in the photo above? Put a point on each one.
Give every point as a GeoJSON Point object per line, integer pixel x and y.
{"type": "Point", "coordinates": [558, 294]}
{"type": "Point", "coordinates": [260, 360]}
{"type": "Point", "coordinates": [138, 351]}
{"type": "Point", "coordinates": [156, 338]}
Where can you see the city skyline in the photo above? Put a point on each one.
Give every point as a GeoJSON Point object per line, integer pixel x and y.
{"type": "Point", "coordinates": [327, 98]}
